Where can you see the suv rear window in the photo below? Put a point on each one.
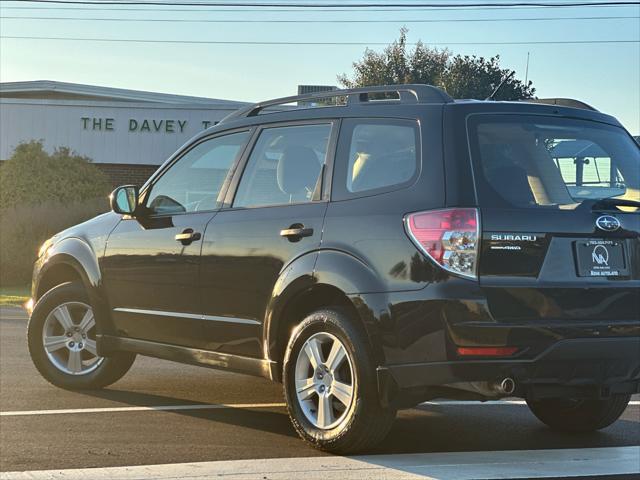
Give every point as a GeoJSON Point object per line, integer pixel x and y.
{"type": "Point", "coordinates": [532, 161]}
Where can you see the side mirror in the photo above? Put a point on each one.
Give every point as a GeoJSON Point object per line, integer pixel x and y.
{"type": "Point", "coordinates": [124, 199]}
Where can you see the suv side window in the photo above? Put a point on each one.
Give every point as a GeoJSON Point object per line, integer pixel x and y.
{"type": "Point", "coordinates": [375, 156]}
{"type": "Point", "coordinates": [193, 183]}
{"type": "Point", "coordinates": [285, 166]}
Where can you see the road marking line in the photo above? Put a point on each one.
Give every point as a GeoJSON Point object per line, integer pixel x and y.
{"type": "Point", "coordinates": [215, 406]}
{"type": "Point", "coordinates": [478, 404]}
{"type": "Point", "coordinates": [488, 403]}
{"type": "Point", "coordinates": [141, 409]}
{"type": "Point", "coordinates": [440, 466]}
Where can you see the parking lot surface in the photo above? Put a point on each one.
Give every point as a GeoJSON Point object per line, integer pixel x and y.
{"type": "Point", "coordinates": [176, 420]}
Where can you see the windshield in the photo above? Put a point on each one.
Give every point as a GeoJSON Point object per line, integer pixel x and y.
{"type": "Point", "coordinates": [534, 161]}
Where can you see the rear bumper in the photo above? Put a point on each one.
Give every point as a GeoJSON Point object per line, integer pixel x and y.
{"type": "Point", "coordinates": [583, 367]}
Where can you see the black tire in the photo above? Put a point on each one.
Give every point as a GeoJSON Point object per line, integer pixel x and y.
{"type": "Point", "coordinates": [366, 422]}
{"type": "Point", "coordinates": [583, 415]}
{"type": "Point", "coordinates": [109, 371]}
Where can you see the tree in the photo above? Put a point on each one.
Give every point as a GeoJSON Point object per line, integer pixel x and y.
{"type": "Point", "coordinates": [461, 76]}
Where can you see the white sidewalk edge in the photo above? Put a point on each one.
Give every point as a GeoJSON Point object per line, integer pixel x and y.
{"type": "Point", "coordinates": [439, 466]}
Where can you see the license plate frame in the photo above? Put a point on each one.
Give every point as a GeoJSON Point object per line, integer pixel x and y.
{"type": "Point", "coordinates": [601, 258]}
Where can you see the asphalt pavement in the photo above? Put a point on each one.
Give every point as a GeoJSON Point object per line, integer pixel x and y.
{"type": "Point", "coordinates": [172, 416]}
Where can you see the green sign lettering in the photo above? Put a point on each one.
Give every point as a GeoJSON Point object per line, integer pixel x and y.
{"type": "Point", "coordinates": [140, 125]}
{"type": "Point", "coordinates": [145, 126]}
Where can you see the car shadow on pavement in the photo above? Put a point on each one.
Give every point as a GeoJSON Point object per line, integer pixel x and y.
{"type": "Point", "coordinates": [433, 428]}
{"type": "Point", "coordinates": [263, 419]}
{"type": "Point", "coordinates": [448, 428]}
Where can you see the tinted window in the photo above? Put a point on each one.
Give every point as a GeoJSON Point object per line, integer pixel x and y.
{"type": "Point", "coordinates": [284, 166]}
{"type": "Point", "coordinates": [381, 155]}
{"type": "Point", "coordinates": [194, 182]}
{"type": "Point", "coordinates": [533, 161]}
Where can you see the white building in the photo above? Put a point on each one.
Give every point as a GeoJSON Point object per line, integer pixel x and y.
{"type": "Point", "coordinates": [127, 133]}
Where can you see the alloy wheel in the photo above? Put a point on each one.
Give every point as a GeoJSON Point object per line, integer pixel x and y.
{"type": "Point", "coordinates": [324, 381]}
{"type": "Point", "coordinates": [68, 338]}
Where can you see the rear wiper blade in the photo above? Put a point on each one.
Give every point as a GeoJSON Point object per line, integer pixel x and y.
{"type": "Point", "coordinates": [608, 203]}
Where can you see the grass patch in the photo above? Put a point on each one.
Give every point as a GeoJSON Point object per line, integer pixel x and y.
{"type": "Point", "coordinates": [15, 296]}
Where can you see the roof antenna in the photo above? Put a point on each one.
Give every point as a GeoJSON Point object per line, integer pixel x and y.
{"type": "Point", "coordinates": [495, 92]}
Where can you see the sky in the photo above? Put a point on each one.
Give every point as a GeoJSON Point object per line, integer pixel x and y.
{"type": "Point", "coordinates": [605, 75]}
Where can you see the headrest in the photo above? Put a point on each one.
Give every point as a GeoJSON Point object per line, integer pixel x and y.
{"type": "Point", "coordinates": [298, 170]}
{"type": "Point", "coordinates": [512, 183]}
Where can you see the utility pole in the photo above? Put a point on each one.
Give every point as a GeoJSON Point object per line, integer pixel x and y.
{"type": "Point", "coordinates": [526, 75]}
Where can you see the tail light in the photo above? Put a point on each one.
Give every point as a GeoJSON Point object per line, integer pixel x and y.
{"type": "Point", "coordinates": [449, 237]}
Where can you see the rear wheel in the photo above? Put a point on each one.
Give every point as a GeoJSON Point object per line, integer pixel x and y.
{"type": "Point", "coordinates": [579, 415]}
{"type": "Point", "coordinates": [62, 342]}
{"type": "Point", "coordinates": [330, 385]}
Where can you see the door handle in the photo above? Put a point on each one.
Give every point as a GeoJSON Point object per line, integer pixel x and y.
{"type": "Point", "coordinates": [187, 236]}
{"type": "Point", "coordinates": [296, 231]}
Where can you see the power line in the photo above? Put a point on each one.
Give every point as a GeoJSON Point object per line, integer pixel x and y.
{"type": "Point", "coordinates": [406, 21]}
{"type": "Point", "coordinates": [285, 43]}
{"type": "Point", "coordinates": [331, 5]}
{"type": "Point", "coordinates": [285, 10]}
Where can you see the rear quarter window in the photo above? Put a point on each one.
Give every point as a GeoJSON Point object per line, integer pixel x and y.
{"type": "Point", "coordinates": [375, 156]}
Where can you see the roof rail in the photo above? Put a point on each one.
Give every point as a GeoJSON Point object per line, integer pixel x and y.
{"type": "Point", "coordinates": [409, 93]}
{"type": "Point", "coordinates": [562, 102]}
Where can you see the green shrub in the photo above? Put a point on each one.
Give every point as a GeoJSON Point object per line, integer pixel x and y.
{"type": "Point", "coordinates": [24, 228]}
{"type": "Point", "coordinates": [40, 195]}
{"type": "Point", "coordinates": [32, 176]}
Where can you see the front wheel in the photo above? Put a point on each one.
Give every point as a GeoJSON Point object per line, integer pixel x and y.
{"type": "Point", "coordinates": [330, 385]}
{"type": "Point", "coordinates": [62, 342]}
{"type": "Point", "coordinates": [579, 415]}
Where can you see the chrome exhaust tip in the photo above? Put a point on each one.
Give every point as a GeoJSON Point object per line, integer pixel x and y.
{"type": "Point", "coordinates": [507, 386]}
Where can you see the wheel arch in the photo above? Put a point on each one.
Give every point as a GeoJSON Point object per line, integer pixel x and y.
{"type": "Point", "coordinates": [336, 280]}
{"type": "Point", "coordinates": [70, 260]}
{"type": "Point", "coordinates": [57, 273]}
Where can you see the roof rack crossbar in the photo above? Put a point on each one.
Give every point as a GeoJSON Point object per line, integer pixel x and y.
{"type": "Point", "coordinates": [562, 102]}
{"type": "Point", "coordinates": [409, 93]}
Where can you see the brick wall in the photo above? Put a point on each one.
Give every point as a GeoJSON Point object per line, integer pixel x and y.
{"type": "Point", "coordinates": [126, 174]}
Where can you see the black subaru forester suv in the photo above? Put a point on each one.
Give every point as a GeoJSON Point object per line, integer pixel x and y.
{"type": "Point", "coordinates": [373, 250]}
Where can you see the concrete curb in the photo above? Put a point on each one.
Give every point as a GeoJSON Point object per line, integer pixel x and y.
{"type": "Point", "coordinates": [11, 312]}
{"type": "Point", "coordinates": [440, 466]}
